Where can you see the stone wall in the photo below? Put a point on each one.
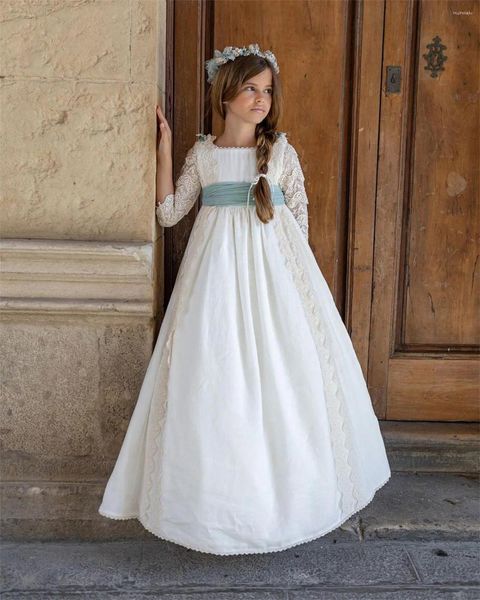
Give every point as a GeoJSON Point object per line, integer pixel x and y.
{"type": "Point", "coordinates": [81, 251]}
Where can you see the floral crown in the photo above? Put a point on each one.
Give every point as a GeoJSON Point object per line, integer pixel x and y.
{"type": "Point", "coordinates": [231, 53]}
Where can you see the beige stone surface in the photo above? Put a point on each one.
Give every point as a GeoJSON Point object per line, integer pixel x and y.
{"type": "Point", "coordinates": [77, 117]}
{"type": "Point", "coordinates": [68, 274]}
{"type": "Point", "coordinates": [68, 392]}
{"type": "Point", "coordinates": [76, 335]}
{"type": "Point", "coordinates": [68, 39]}
{"type": "Point", "coordinates": [79, 161]}
{"type": "Point", "coordinates": [147, 18]}
{"type": "Point", "coordinates": [81, 253]}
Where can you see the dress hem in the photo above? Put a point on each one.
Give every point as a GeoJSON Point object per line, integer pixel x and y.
{"type": "Point", "coordinates": [252, 551]}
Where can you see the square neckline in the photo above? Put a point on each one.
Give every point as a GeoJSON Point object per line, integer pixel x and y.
{"type": "Point", "coordinates": [210, 137]}
{"type": "Point", "coordinates": [214, 137]}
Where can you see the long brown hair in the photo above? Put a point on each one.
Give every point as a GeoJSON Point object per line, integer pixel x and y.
{"type": "Point", "coordinates": [226, 85]}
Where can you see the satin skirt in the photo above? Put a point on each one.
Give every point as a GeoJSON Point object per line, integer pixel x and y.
{"type": "Point", "coordinates": [254, 430]}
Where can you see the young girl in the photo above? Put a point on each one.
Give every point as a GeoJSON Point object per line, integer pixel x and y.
{"type": "Point", "coordinates": [254, 430]}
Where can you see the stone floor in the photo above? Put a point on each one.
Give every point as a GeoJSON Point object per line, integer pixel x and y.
{"type": "Point", "coordinates": [419, 538]}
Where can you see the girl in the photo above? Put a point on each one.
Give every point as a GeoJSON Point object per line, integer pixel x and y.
{"type": "Point", "coordinates": [254, 430]}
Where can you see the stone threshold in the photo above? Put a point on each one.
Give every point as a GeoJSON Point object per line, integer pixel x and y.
{"type": "Point", "coordinates": [423, 446]}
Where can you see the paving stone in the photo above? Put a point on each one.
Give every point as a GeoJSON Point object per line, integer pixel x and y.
{"type": "Point", "coordinates": [145, 569]}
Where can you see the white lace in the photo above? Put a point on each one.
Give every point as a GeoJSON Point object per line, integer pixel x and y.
{"type": "Point", "coordinates": [341, 436]}
{"type": "Point", "coordinates": [152, 488]}
{"type": "Point", "coordinates": [189, 184]}
{"type": "Point", "coordinates": [187, 190]}
{"type": "Point", "coordinates": [292, 182]}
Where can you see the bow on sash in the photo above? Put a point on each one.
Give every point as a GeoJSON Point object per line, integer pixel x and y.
{"type": "Point", "coordinates": [255, 181]}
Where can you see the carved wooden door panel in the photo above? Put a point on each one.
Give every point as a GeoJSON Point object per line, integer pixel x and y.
{"type": "Point", "coordinates": [424, 336]}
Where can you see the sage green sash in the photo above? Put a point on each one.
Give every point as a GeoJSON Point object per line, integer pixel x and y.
{"type": "Point", "coordinates": [236, 193]}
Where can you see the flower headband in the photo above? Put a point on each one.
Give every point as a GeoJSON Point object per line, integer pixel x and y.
{"type": "Point", "coordinates": [231, 53]}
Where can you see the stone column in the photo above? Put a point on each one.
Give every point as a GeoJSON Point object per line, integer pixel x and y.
{"type": "Point", "coordinates": [81, 283]}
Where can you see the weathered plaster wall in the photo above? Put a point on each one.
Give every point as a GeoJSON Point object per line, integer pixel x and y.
{"type": "Point", "coordinates": [80, 248]}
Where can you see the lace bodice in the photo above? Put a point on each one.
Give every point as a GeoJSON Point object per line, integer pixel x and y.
{"type": "Point", "coordinates": [206, 163]}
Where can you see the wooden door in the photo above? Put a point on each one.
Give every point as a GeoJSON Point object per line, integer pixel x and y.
{"type": "Point", "coordinates": [391, 176]}
{"type": "Point", "coordinates": [424, 337]}
{"type": "Point", "coordinates": [314, 60]}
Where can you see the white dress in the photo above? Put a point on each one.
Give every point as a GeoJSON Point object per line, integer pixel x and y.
{"type": "Point", "coordinates": [254, 430]}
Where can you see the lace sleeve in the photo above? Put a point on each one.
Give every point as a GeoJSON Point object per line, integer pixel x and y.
{"type": "Point", "coordinates": [187, 190]}
{"type": "Point", "coordinates": [292, 184]}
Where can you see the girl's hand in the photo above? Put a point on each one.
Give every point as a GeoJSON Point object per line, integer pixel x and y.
{"type": "Point", "coordinates": [164, 143]}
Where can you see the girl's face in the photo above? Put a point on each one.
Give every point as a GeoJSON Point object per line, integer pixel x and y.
{"type": "Point", "coordinates": [255, 94]}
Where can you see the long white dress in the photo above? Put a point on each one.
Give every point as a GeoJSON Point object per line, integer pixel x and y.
{"type": "Point", "coordinates": [254, 430]}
